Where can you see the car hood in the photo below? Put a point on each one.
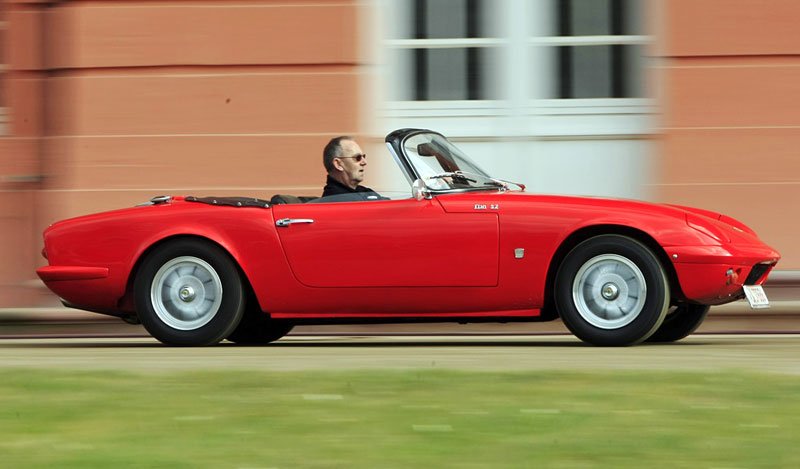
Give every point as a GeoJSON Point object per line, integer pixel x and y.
{"type": "Point", "coordinates": [721, 227]}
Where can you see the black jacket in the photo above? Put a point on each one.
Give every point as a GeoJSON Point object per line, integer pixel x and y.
{"type": "Point", "coordinates": [334, 187]}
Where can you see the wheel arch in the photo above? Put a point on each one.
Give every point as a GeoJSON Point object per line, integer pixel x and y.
{"type": "Point", "coordinates": [549, 310]}
{"type": "Point", "coordinates": [127, 300]}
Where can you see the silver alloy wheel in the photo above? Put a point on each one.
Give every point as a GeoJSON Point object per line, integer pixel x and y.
{"type": "Point", "coordinates": [186, 293]}
{"type": "Point", "coordinates": [609, 291]}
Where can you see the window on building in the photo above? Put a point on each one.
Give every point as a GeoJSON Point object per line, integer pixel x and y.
{"type": "Point", "coordinates": [467, 50]}
{"type": "Point", "coordinates": [597, 49]}
{"type": "Point", "coordinates": [444, 50]}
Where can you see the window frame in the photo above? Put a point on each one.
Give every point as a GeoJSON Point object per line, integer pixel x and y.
{"type": "Point", "coordinates": [523, 105]}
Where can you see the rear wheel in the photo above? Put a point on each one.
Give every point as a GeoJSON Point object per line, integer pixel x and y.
{"type": "Point", "coordinates": [188, 292]}
{"type": "Point", "coordinates": [611, 290]}
{"type": "Point", "coordinates": [680, 321]}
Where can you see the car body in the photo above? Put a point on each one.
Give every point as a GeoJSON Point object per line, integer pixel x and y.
{"type": "Point", "coordinates": [463, 247]}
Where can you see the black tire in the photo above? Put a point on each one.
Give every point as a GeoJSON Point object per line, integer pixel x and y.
{"type": "Point", "coordinates": [680, 321]}
{"type": "Point", "coordinates": [256, 328]}
{"type": "Point", "coordinates": [611, 290]}
{"type": "Point", "coordinates": [205, 300]}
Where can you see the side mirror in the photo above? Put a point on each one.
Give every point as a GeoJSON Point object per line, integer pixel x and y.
{"type": "Point", "coordinates": [419, 190]}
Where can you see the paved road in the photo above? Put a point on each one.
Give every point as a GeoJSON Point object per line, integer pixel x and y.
{"type": "Point", "coordinates": [736, 317]}
{"type": "Point", "coordinates": [767, 353]}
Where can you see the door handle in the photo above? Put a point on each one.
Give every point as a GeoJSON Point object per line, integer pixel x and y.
{"type": "Point", "coordinates": [289, 221]}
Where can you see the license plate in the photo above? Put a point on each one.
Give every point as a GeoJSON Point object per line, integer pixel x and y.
{"type": "Point", "coordinates": [756, 296]}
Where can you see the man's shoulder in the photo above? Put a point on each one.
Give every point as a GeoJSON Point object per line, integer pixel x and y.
{"type": "Point", "coordinates": [334, 187]}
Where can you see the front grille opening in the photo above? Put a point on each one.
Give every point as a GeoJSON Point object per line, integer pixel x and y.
{"type": "Point", "coordinates": [756, 273]}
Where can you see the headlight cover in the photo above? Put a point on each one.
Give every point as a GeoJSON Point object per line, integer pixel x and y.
{"type": "Point", "coordinates": [707, 227]}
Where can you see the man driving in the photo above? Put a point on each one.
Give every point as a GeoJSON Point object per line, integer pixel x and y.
{"type": "Point", "coordinates": [346, 165]}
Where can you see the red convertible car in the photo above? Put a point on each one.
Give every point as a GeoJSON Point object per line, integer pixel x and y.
{"type": "Point", "coordinates": [464, 247]}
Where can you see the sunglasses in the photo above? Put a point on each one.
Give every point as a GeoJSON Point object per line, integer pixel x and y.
{"type": "Point", "coordinates": [358, 157]}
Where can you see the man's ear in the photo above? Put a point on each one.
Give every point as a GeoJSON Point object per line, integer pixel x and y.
{"type": "Point", "coordinates": [338, 164]}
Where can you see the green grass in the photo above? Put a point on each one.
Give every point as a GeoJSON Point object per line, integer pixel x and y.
{"type": "Point", "coordinates": [403, 419]}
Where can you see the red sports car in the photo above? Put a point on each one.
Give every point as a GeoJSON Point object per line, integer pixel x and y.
{"type": "Point", "coordinates": [464, 247]}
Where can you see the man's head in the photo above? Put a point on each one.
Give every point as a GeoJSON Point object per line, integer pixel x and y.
{"type": "Point", "coordinates": [344, 161]}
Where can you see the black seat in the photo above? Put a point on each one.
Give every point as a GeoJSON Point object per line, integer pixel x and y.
{"type": "Point", "coordinates": [290, 199]}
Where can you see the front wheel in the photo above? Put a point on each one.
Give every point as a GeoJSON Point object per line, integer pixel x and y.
{"type": "Point", "coordinates": [188, 292]}
{"type": "Point", "coordinates": [612, 290]}
{"type": "Point", "coordinates": [680, 321]}
{"type": "Point", "coordinates": [257, 328]}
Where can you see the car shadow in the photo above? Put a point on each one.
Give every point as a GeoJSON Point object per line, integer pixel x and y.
{"type": "Point", "coordinates": [338, 341]}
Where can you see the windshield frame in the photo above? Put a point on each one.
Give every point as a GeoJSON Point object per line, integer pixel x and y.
{"type": "Point", "coordinates": [450, 170]}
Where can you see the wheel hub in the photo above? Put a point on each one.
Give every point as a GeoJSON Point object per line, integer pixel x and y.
{"type": "Point", "coordinates": [610, 291]}
{"type": "Point", "coordinates": [187, 294]}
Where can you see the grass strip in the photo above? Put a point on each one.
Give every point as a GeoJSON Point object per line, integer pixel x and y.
{"type": "Point", "coordinates": [398, 419]}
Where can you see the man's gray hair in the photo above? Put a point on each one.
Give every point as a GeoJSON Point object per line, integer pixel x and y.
{"type": "Point", "coordinates": [333, 150]}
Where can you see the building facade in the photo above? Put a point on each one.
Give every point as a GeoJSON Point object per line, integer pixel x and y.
{"type": "Point", "coordinates": [106, 103]}
{"type": "Point", "coordinates": [730, 105]}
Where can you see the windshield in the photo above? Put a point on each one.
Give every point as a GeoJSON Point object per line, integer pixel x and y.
{"type": "Point", "coordinates": [442, 166]}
